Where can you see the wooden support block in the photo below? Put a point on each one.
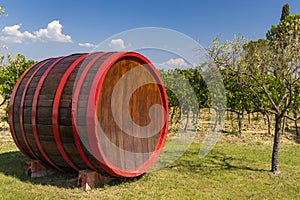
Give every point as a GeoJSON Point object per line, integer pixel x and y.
{"type": "Point", "coordinates": [88, 179]}
{"type": "Point", "coordinates": [35, 168]}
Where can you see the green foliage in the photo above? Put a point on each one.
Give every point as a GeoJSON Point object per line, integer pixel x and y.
{"type": "Point", "coordinates": [285, 62]}
{"type": "Point", "coordinates": [169, 79]}
{"type": "Point", "coordinates": [289, 27]}
{"type": "Point", "coordinates": [181, 83]}
{"type": "Point", "coordinates": [10, 73]}
{"type": "Point", "coordinates": [227, 57]}
{"type": "Point", "coordinates": [285, 11]}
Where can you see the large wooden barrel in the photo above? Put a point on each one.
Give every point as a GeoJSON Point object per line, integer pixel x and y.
{"type": "Point", "coordinates": [106, 111]}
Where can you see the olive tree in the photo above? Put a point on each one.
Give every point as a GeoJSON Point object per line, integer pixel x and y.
{"type": "Point", "coordinates": [10, 73]}
{"type": "Point", "coordinates": [267, 73]}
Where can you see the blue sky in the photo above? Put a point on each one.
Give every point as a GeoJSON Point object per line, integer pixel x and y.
{"type": "Point", "coordinates": [42, 29]}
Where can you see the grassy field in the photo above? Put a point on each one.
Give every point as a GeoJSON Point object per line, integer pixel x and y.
{"type": "Point", "coordinates": [230, 171]}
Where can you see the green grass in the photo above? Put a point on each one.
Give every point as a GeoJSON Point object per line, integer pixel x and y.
{"type": "Point", "coordinates": [230, 171]}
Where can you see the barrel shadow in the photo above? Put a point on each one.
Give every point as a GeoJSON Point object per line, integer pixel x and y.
{"type": "Point", "coordinates": [13, 164]}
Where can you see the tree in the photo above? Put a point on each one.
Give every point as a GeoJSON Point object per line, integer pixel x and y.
{"type": "Point", "coordinates": [275, 65]}
{"type": "Point", "coordinates": [267, 72]}
{"type": "Point", "coordinates": [227, 57]}
{"type": "Point", "coordinates": [291, 27]}
{"type": "Point", "coordinates": [272, 70]}
{"type": "Point", "coordinates": [10, 73]}
{"type": "Point", "coordinates": [285, 11]}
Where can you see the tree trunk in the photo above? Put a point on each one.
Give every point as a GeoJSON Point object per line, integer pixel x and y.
{"type": "Point", "coordinates": [227, 113]}
{"type": "Point", "coordinates": [240, 121]}
{"type": "Point", "coordinates": [187, 120]}
{"type": "Point", "coordinates": [217, 122]}
{"type": "Point", "coordinates": [249, 118]}
{"type": "Point", "coordinates": [296, 127]}
{"type": "Point", "coordinates": [295, 121]}
{"type": "Point", "coordinates": [275, 154]}
{"type": "Point", "coordinates": [172, 115]}
{"type": "Point", "coordinates": [178, 116]}
{"type": "Point", "coordinates": [195, 119]}
{"type": "Point", "coordinates": [269, 124]}
{"type": "Point", "coordinates": [283, 125]}
{"type": "Point", "coordinates": [231, 119]}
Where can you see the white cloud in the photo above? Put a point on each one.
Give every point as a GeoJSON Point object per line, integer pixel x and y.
{"type": "Point", "coordinates": [14, 35]}
{"type": "Point", "coordinates": [53, 32]}
{"type": "Point", "coordinates": [89, 45]}
{"type": "Point", "coordinates": [14, 31]}
{"type": "Point", "coordinates": [117, 44]}
{"type": "Point", "coordinates": [10, 39]}
{"type": "Point", "coordinates": [175, 62]}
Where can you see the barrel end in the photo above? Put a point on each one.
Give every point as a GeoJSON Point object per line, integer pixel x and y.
{"type": "Point", "coordinates": [88, 179]}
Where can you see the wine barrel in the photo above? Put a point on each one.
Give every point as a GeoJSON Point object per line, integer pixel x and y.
{"type": "Point", "coordinates": [105, 111]}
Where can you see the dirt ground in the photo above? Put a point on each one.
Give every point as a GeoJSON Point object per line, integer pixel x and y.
{"type": "Point", "coordinates": [254, 133]}
{"type": "Point", "coordinates": [4, 130]}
